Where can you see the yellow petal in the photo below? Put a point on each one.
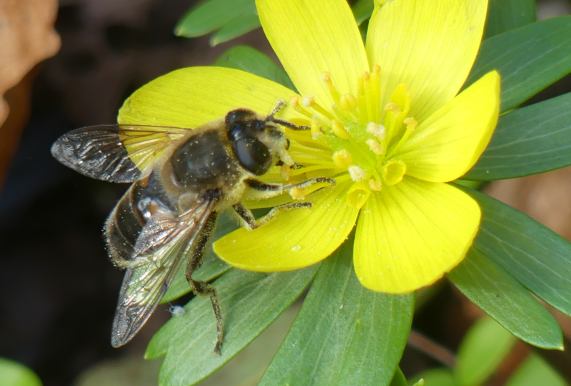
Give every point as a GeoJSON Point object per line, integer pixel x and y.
{"type": "Point", "coordinates": [447, 144]}
{"type": "Point", "coordinates": [192, 96]}
{"type": "Point", "coordinates": [294, 239]}
{"type": "Point", "coordinates": [429, 45]}
{"type": "Point", "coordinates": [411, 234]}
{"type": "Point", "coordinates": [311, 37]}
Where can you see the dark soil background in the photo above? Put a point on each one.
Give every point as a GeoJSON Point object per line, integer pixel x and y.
{"type": "Point", "coordinates": [57, 287]}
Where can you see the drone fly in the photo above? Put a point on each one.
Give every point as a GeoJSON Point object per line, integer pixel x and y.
{"type": "Point", "coordinates": [181, 180]}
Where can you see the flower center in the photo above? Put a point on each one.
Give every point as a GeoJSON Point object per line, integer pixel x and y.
{"type": "Point", "coordinates": [363, 132]}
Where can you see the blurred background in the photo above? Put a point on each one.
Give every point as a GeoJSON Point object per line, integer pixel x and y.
{"type": "Point", "coordinates": [71, 64]}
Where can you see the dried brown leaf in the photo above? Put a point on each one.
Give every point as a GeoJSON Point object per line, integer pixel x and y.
{"type": "Point", "coordinates": [26, 37]}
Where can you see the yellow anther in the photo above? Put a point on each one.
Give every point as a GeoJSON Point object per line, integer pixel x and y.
{"type": "Point", "coordinates": [315, 129]}
{"type": "Point", "coordinates": [375, 185]}
{"type": "Point", "coordinates": [376, 69]}
{"type": "Point", "coordinates": [374, 146]}
{"type": "Point", "coordinates": [377, 130]}
{"type": "Point", "coordinates": [326, 77]}
{"type": "Point", "coordinates": [356, 173]}
{"type": "Point", "coordinates": [348, 102]}
{"type": "Point", "coordinates": [410, 123]}
{"type": "Point", "coordinates": [339, 130]}
{"type": "Point", "coordinates": [307, 101]}
{"type": "Point", "coordinates": [393, 172]}
{"type": "Point", "coordinates": [342, 158]}
{"type": "Point", "coordinates": [285, 172]}
{"type": "Point", "coordinates": [296, 105]}
{"type": "Point", "coordinates": [358, 195]}
{"type": "Point", "coordinates": [393, 107]}
{"type": "Point", "coordinates": [297, 193]}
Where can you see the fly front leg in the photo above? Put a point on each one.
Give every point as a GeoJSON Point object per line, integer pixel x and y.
{"type": "Point", "coordinates": [261, 190]}
{"type": "Point", "coordinates": [201, 287]}
{"type": "Point", "coordinates": [292, 126]}
{"type": "Point", "coordinates": [250, 222]}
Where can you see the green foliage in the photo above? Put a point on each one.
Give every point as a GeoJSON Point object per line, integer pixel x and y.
{"type": "Point", "coordinates": [226, 18]}
{"type": "Point", "coordinates": [507, 301]}
{"type": "Point", "coordinates": [436, 377]}
{"type": "Point", "coordinates": [14, 374]}
{"type": "Point", "coordinates": [362, 9]}
{"type": "Point", "coordinates": [504, 15]}
{"type": "Point", "coordinates": [533, 372]}
{"type": "Point", "coordinates": [253, 61]}
{"type": "Point", "coordinates": [529, 140]}
{"type": "Point", "coordinates": [250, 302]}
{"type": "Point", "coordinates": [537, 257]}
{"type": "Point", "coordinates": [529, 59]}
{"type": "Point", "coordinates": [481, 351]}
{"type": "Point", "coordinates": [343, 332]}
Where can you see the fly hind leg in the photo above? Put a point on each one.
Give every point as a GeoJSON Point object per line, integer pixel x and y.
{"type": "Point", "coordinates": [251, 222]}
{"type": "Point", "coordinates": [201, 287]}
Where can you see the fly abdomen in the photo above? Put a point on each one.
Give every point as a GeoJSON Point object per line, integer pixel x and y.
{"type": "Point", "coordinates": [136, 207]}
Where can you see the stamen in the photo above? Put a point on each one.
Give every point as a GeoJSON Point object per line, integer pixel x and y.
{"type": "Point", "coordinates": [297, 193]}
{"type": "Point", "coordinates": [339, 130]}
{"type": "Point", "coordinates": [295, 104]}
{"type": "Point", "coordinates": [393, 172]}
{"type": "Point", "coordinates": [342, 158]}
{"type": "Point", "coordinates": [374, 146]}
{"type": "Point", "coordinates": [375, 185]}
{"type": "Point", "coordinates": [315, 129]}
{"type": "Point", "coordinates": [326, 77]}
{"type": "Point", "coordinates": [356, 173]}
{"type": "Point", "coordinates": [348, 102]}
{"type": "Point", "coordinates": [358, 195]}
{"type": "Point", "coordinates": [379, 131]}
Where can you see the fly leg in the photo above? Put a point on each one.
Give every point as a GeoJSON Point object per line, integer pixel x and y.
{"type": "Point", "coordinates": [292, 126]}
{"type": "Point", "coordinates": [250, 222]}
{"type": "Point", "coordinates": [261, 190]}
{"type": "Point", "coordinates": [203, 288]}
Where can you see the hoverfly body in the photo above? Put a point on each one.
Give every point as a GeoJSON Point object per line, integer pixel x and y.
{"type": "Point", "coordinates": [181, 180]}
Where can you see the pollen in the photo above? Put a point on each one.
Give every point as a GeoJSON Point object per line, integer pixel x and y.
{"type": "Point", "coordinates": [379, 131]}
{"type": "Point", "coordinates": [356, 173]}
{"type": "Point", "coordinates": [374, 146]}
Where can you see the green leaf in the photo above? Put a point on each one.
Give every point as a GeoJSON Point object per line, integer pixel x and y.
{"type": "Point", "coordinates": [362, 10]}
{"type": "Point", "coordinates": [504, 15]}
{"type": "Point", "coordinates": [344, 334]}
{"type": "Point", "coordinates": [436, 377]}
{"type": "Point", "coordinates": [529, 140]}
{"type": "Point", "coordinates": [482, 350]}
{"type": "Point", "coordinates": [210, 269]}
{"type": "Point", "coordinates": [235, 28]}
{"type": "Point", "coordinates": [399, 379]}
{"type": "Point", "coordinates": [212, 15]}
{"type": "Point", "coordinates": [533, 372]}
{"type": "Point", "coordinates": [253, 61]}
{"type": "Point", "coordinates": [505, 300]}
{"type": "Point", "coordinates": [537, 257]}
{"type": "Point", "coordinates": [14, 374]}
{"type": "Point", "coordinates": [529, 59]}
{"type": "Point", "coordinates": [249, 301]}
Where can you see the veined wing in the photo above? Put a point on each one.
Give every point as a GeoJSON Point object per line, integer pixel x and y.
{"type": "Point", "coordinates": [115, 153]}
{"type": "Point", "coordinates": [160, 249]}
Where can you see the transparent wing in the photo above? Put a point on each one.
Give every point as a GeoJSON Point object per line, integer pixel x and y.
{"type": "Point", "coordinates": [159, 251]}
{"type": "Point", "coordinates": [114, 153]}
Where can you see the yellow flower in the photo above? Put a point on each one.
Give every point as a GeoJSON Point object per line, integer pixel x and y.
{"type": "Point", "coordinates": [387, 122]}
